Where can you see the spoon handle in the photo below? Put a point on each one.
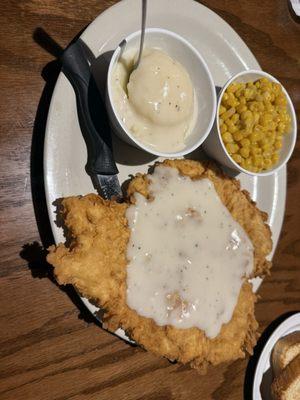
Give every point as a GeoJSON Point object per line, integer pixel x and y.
{"type": "Point", "coordinates": [144, 14]}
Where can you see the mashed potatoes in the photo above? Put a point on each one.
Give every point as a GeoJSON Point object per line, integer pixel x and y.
{"type": "Point", "coordinates": [156, 102]}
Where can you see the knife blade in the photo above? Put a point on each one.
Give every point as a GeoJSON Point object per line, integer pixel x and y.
{"type": "Point", "coordinates": [100, 165]}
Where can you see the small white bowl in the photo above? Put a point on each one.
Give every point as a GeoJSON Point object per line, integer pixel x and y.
{"type": "Point", "coordinates": [215, 147]}
{"type": "Point", "coordinates": [183, 52]}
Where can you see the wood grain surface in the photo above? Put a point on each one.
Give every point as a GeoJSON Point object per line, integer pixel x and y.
{"type": "Point", "coordinates": [50, 347]}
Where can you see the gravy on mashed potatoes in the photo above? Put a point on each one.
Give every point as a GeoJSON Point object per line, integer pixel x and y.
{"type": "Point", "coordinates": [156, 102]}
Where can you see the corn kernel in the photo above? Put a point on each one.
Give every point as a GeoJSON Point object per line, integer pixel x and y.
{"type": "Point", "coordinates": [237, 136]}
{"type": "Point", "coordinates": [254, 137]}
{"type": "Point", "coordinates": [266, 154]}
{"type": "Point", "coordinates": [267, 163]}
{"type": "Point", "coordinates": [232, 148]}
{"type": "Point", "coordinates": [246, 115]}
{"type": "Point", "coordinates": [286, 118]}
{"type": "Point", "coordinates": [276, 87]}
{"type": "Point", "coordinates": [281, 127]}
{"type": "Point", "coordinates": [232, 128]}
{"type": "Point", "coordinates": [225, 97]}
{"type": "Point", "coordinates": [235, 118]}
{"type": "Point", "coordinates": [264, 80]}
{"type": "Point", "coordinates": [255, 117]}
{"type": "Point", "coordinates": [227, 137]}
{"type": "Point", "coordinates": [280, 101]}
{"type": "Point", "coordinates": [223, 128]}
{"type": "Point", "coordinates": [244, 152]}
{"type": "Point", "coordinates": [254, 150]}
{"type": "Point", "coordinates": [258, 161]}
{"type": "Point", "coordinates": [248, 127]}
{"type": "Point", "coordinates": [245, 142]}
{"type": "Point", "coordinates": [243, 101]}
{"type": "Point", "coordinates": [253, 105]}
{"type": "Point", "coordinates": [267, 95]}
{"type": "Point", "coordinates": [237, 158]}
{"type": "Point", "coordinates": [265, 119]}
{"type": "Point", "coordinates": [264, 141]}
{"type": "Point", "coordinates": [236, 148]}
{"type": "Point", "coordinates": [232, 88]}
{"type": "Point", "coordinates": [241, 108]}
{"type": "Point", "coordinates": [222, 109]}
{"type": "Point", "coordinates": [248, 162]}
{"type": "Point", "coordinates": [275, 158]}
{"type": "Point", "coordinates": [269, 107]}
{"type": "Point", "coordinates": [272, 137]}
{"type": "Point", "coordinates": [266, 147]}
{"type": "Point", "coordinates": [245, 133]}
{"type": "Point", "coordinates": [228, 113]}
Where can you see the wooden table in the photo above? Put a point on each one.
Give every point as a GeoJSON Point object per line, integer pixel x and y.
{"type": "Point", "coordinates": [51, 348]}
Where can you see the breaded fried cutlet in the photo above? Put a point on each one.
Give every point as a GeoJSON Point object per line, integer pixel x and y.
{"type": "Point", "coordinates": [95, 263]}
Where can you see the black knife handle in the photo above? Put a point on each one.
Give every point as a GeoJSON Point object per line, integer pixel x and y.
{"type": "Point", "coordinates": [76, 68]}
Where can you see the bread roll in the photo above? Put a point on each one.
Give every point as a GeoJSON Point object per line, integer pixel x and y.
{"type": "Point", "coordinates": [287, 384]}
{"type": "Point", "coordinates": [285, 350]}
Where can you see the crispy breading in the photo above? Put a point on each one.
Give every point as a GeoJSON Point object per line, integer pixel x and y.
{"type": "Point", "coordinates": [95, 264]}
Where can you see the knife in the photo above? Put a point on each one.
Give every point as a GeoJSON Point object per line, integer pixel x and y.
{"type": "Point", "coordinates": [100, 165]}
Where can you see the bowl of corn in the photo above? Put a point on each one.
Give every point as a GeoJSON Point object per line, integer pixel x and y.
{"type": "Point", "coordinates": [255, 128]}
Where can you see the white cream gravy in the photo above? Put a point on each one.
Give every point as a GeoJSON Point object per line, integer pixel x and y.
{"type": "Point", "coordinates": [187, 256]}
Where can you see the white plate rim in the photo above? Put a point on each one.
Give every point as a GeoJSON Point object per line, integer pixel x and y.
{"type": "Point", "coordinates": [247, 54]}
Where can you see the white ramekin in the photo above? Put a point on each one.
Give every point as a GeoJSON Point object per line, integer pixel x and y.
{"type": "Point", "coordinates": [215, 147]}
{"type": "Point", "coordinates": [182, 51]}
